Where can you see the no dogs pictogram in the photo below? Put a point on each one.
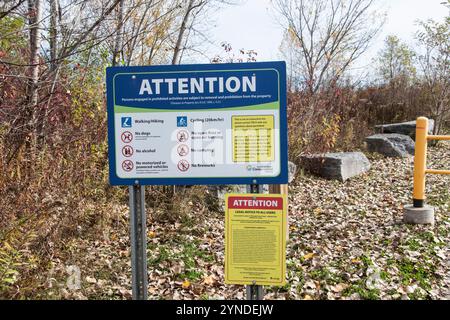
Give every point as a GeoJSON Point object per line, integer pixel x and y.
{"type": "Point", "coordinates": [183, 165]}
{"type": "Point", "coordinates": [127, 151]}
{"type": "Point", "coordinates": [126, 137]}
{"type": "Point", "coordinates": [127, 165]}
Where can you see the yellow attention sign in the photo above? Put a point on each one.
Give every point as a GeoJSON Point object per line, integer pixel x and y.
{"type": "Point", "coordinates": [253, 138]}
{"type": "Point", "coordinates": [255, 239]}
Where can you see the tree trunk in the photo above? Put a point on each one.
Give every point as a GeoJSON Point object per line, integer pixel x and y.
{"type": "Point", "coordinates": [34, 21]}
{"type": "Point", "coordinates": [177, 49]}
{"type": "Point", "coordinates": [53, 34]}
{"type": "Point", "coordinates": [119, 35]}
{"type": "Point", "coordinates": [34, 11]}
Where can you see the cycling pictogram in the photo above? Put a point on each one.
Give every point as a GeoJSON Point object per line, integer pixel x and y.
{"type": "Point", "coordinates": [126, 137]}
{"type": "Point", "coordinates": [127, 151]}
{"type": "Point", "coordinates": [182, 136]}
{"type": "Point", "coordinates": [127, 165]}
{"type": "Point", "coordinates": [182, 150]}
{"type": "Point", "coordinates": [183, 165]}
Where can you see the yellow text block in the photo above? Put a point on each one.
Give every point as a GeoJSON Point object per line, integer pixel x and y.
{"type": "Point", "coordinates": [253, 138]}
{"type": "Point", "coordinates": [255, 239]}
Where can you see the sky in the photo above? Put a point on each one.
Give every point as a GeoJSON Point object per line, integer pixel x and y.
{"type": "Point", "coordinates": [253, 25]}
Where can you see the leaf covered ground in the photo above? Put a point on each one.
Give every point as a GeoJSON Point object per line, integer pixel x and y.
{"type": "Point", "coordinates": [346, 241]}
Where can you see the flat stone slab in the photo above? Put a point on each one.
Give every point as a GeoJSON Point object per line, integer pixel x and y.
{"type": "Point", "coordinates": [407, 128]}
{"type": "Point", "coordinates": [339, 166]}
{"type": "Point", "coordinates": [391, 145]}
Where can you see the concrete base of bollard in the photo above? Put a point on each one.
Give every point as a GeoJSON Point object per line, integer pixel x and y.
{"type": "Point", "coordinates": [413, 215]}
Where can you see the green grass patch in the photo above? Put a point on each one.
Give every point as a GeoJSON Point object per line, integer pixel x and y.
{"type": "Point", "coordinates": [415, 272]}
{"type": "Point", "coordinates": [363, 292]}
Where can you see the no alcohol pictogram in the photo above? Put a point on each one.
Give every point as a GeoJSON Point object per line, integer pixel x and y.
{"type": "Point", "coordinates": [182, 136]}
{"type": "Point", "coordinates": [126, 137]}
{"type": "Point", "coordinates": [127, 165]}
{"type": "Point", "coordinates": [127, 151]}
{"type": "Point", "coordinates": [182, 150]}
{"type": "Point", "coordinates": [183, 165]}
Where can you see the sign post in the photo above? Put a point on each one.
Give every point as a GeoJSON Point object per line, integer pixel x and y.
{"type": "Point", "coordinates": [138, 236]}
{"type": "Point", "coordinates": [253, 291]}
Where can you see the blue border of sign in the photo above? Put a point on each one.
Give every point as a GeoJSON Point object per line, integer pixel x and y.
{"type": "Point", "coordinates": [282, 178]}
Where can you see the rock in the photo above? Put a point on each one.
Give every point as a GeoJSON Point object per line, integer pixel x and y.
{"type": "Point", "coordinates": [292, 169]}
{"type": "Point", "coordinates": [391, 144]}
{"type": "Point", "coordinates": [406, 128]}
{"type": "Point", "coordinates": [340, 166]}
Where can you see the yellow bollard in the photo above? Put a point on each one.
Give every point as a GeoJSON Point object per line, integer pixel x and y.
{"type": "Point", "coordinates": [420, 162]}
{"type": "Point", "coordinates": [419, 212]}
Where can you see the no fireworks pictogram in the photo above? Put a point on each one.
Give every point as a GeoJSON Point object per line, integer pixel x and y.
{"type": "Point", "coordinates": [126, 137]}
{"type": "Point", "coordinates": [127, 165]}
{"type": "Point", "coordinates": [183, 165]}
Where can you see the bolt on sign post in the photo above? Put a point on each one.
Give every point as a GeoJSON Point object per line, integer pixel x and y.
{"type": "Point", "coordinates": [193, 125]}
{"type": "Point", "coordinates": [255, 241]}
{"type": "Point", "coordinates": [419, 212]}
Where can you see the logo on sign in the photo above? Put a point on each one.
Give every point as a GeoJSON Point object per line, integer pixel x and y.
{"type": "Point", "coordinates": [181, 121]}
{"type": "Point", "coordinates": [126, 122]}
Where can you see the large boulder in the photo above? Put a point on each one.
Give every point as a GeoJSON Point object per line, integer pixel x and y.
{"type": "Point", "coordinates": [406, 128]}
{"type": "Point", "coordinates": [391, 144]}
{"type": "Point", "coordinates": [340, 166]}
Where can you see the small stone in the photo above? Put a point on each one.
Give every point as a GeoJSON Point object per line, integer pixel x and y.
{"type": "Point", "coordinates": [91, 280]}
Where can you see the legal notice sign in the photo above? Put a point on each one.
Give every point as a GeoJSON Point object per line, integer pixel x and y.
{"type": "Point", "coordinates": [197, 124]}
{"type": "Point", "coordinates": [255, 239]}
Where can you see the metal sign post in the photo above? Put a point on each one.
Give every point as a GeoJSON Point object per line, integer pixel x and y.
{"type": "Point", "coordinates": [138, 235]}
{"type": "Point", "coordinates": [254, 292]}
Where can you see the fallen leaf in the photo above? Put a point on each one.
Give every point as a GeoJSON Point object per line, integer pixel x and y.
{"type": "Point", "coordinates": [209, 280]}
{"type": "Point", "coordinates": [339, 287]}
{"type": "Point", "coordinates": [186, 284]}
{"type": "Point", "coordinates": [91, 280]}
{"type": "Point", "coordinates": [308, 256]}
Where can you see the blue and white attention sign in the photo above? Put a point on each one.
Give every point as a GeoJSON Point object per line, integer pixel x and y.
{"type": "Point", "coordinates": [197, 124]}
